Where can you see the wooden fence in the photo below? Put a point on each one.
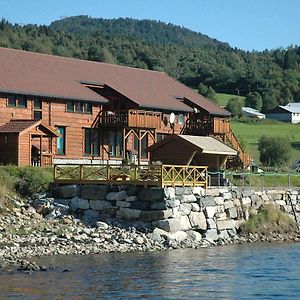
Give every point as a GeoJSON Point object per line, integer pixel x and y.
{"type": "Point", "coordinates": [146, 175]}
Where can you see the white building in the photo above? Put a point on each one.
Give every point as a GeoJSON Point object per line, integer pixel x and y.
{"type": "Point", "coordinates": [252, 113]}
{"type": "Point", "coordinates": [288, 113]}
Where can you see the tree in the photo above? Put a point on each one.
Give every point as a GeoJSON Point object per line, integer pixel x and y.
{"type": "Point", "coordinates": [207, 92]}
{"type": "Point", "coordinates": [274, 151]}
{"type": "Point", "coordinates": [234, 105]}
{"type": "Point", "coordinates": [254, 100]}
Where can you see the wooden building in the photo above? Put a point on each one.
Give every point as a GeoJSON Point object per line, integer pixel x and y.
{"type": "Point", "coordinates": [191, 150]}
{"type": "Point", "coordinates": [101, 112]}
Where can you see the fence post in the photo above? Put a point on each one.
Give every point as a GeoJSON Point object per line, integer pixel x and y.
{"type": "Point", "coordinates": [289, 181]}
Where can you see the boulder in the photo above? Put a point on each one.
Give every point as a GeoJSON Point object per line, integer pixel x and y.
{"type": "Point", "coordinates": [247, 193]}
{"type": "Point", "coordinates": [141, 205]}
{"type": "Point", "coordinates": [69, 191]}
{"type": "Point", "coordinates": [169, 193]}
{"type": "Point", "coordinates": [225, 224]}
{"type": "Point", "coordinates": [198, 190]}
{"type": "Point", "coordinates": [154, 215]}
{"type": "Point", "coordinates": [232, 213]}
{"type": "Point", "coordinates": [99, 205]}
{"type": "Point", "coordinates": [131, 198]}
{"type": "Point", "coordinates": [195, 207]}
{"type": "Point", "coordinates": [151, 194]}
{"type": "Point", "coordinates": [219, 200]}
{"type": "Point", "coordinates": [94, 192]}
{"type": "Point", "coordinates": [208, 201]}
{"type": "Point", "coordinates": [102, 225]}
{"type": "Point", "coordinates": [116, 196]}
{"type": "Point", "coordinates": [179, 191]}
{"type": "Point", "coordinates": [211, 224]}
{"type": "Point", "coordinates": [123, 204]}
{"type": "Point", "coordinates": [158, 205]}
{"type": "Point", "coordinates": [194, 236]}
{"type": "Point", "coordinates": [211, 235]}
{"type": "Point", "coordinates": [184, 209]}
{"type": "Point", "coordinates": [128, 214]}
{"type": "Point", "coordinates": [169, 225]}
{"type": "Point", "coordinates": [226, 195]}
{"type": "Point", "coordinates": [185, 223]}
{"type": "Point", "coordinates": [198, 220]}
{"type": "Point", "coordinates": [210, 211]}
{"type": "Point", "coordinates": [78, 203]}
{"type": "Point", "coordinates": [188, 198]}
{"type": "Point", "coordinates": [90, 215]}
{"type": "Point", "coordinates": [178, 236]}
{"type": "Point", "coordinates": [228, 204]}
{"type": "Point", "coordinates": [171, 203]}
{"type": "Point", "coordinates": [246, 201]}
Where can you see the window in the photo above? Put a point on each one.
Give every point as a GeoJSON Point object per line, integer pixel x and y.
{"type": "Point", "coordinates": [91, 142]}
{"type": "Point", "coordinates": [17, 101]}
{"type": "Point", "coordinates": [144, 145]}
{"type": "Point", "coordinates": [79, 107]}
{"type": "Point", "coordinates": [61, 141]}
{"type": "Point", "coordinates": [37, 108]}
{"type": "Point", "coordinates": [115, 143]}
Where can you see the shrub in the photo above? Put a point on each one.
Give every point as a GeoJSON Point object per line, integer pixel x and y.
{"type": "Point", "coordinates": [269, 219]}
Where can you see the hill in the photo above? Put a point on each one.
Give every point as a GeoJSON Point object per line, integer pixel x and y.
{"type": "Point", "coordinates": [190, 57]}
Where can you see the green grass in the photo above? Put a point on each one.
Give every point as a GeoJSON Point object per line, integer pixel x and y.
{"type": "Point", "coordinates": [269, 219]}
{"type": "Point", "coordinates": [222, 99]}
{"type": "Point", "coordinates": [252, 131]}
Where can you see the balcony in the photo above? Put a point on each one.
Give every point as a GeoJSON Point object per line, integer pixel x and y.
{"type": "Point", "coordinates": [130, 118]}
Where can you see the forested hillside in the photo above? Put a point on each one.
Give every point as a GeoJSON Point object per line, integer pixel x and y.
{"type": "Point", "coordinates": [191, 57]}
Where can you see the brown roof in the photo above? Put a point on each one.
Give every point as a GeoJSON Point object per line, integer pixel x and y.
{"type": "Point", "coordinates": [53, 76]}
{"type": "Point", "coordinates": [18, 126]}
{"type": "Point", "coordinates": [203, 144]}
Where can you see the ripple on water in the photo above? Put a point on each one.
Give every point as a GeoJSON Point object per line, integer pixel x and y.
{"type": "Point", "coordinates": [261, 271]}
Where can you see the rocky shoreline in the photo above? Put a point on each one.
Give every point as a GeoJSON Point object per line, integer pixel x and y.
{"type": "Point", "coordinates": [25, 233]}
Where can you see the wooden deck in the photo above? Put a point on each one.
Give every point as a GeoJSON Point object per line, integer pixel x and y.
{"type": "Point", "coordinates": [145, 175]}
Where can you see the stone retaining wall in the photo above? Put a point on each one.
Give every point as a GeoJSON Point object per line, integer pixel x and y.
{"type": "Point", "coordinates": [179, 211]}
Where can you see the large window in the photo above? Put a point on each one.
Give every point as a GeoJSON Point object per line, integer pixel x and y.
{"type": "Point", "coordinates": [144, 145]}
{"type": "Point", "coordinates": [37, 108]}
{"type": "Point", "coordinates": [17, 101]}
{"type": "Point", "coordinates": [79, 107]}
{"type": "Point", "coordinates": [115, 143]}
{"type": "Point", "coordinates": [61, 140]}
{"type": "Point", "coordinates": [91, 142]}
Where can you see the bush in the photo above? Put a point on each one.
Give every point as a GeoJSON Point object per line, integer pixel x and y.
{"type": "Point", "coordinates": [269, 219]}
{"type": "Point", "coordinates": [274, 151]}
{"type": "Point", "coordinates": [24, 181]}
{"type": "Point", "coordinates": [235, 105]}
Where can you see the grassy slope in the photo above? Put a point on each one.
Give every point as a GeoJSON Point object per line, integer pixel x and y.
{"type": "Point", "coordinates": [252, 133]}
{"type": "Point", "coordinates": [222, 99]}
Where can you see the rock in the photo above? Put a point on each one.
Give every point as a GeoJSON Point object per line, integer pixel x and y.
{"type": "Point", "coordinates": [198, 220]}
{"type": "Point", "coordinates": [211, 224]}
{"type": "Point", "coordinates": [212, 192]}
{"type": "Point", "coordinates": [195, 207]}
{"type": "Point", "coordinates": [139, 240]}
{"type": "Point", "coordinates": [154, 215]}
{"type": "Point", "coordinates": [159, 205]}
{"type": "Point", "coordinates": [171, 203]}
{"type": "Point", "coordinates": [178, 236]}
{"type": "Point", "coordinates": [161, 232]}
{"type": "Point", "coordinates": [221, 216]}
{"type": "Point", "coordinates": [123, 204]}
{"type": "Point", "coordinates": [69, 191]}
{"type": "Point", "coordinates": [185, 223]}
{"type": "Point", "coordinates": [211, 235]}
{"type": "Point", "coordinates": [280, 202]}
{"type": "Point", "coordinates": [232, 213]}
{"type": "Point", "coordinates": [116, 196]}
{"type": "Point", "coordinates": [247, 193]}
{"type": "Point", "coordinates": [94, 192]}
{"type": "Point", "coordinates": [141, 205]}
{"type": "Point", "coordinates": [228, 204]}
{"type": "Point", "coordinates": [188, 198]}
{"type": "Point", "coordinates": [131, 198]}
{"type": "Point", "coordinates": [210, 211]}
{"type": "Point", "coordinates": [65, 202]}
{"type": "Point", "coordinates": [199, 191]}
{"type": "Point", "coordinates": [151, 194]}
{"type": "Point", "coordinates": [185, 209]}
{"type": "Point", "coordinates": [102, 225]}
{"type": "Point", "coordinates": [100, 205]}
{"type": "Point", "coordinates": [31, 210]}
{"type": "Point", "coordinates": [246, 201]}
{"type": "Point", "coordinates": [128, 214]}
{"type": "Point", "coordinates": [78, 203]}
{"type": "Point", "coordinates": [219, 200]}
{"type": "Point", "coordinates": [169, 193]}
{"type": "Point", "coordinates": [226, 195]}
{"type": "Point", "coordinates": [90, 216]}
{"type": "Point", "coordinates": [194, 236]}
{"type": "Point", "coordinates": [179, 191]}
{"type": "Point", "coordinates": [208, 201]}
{"type": "Point", "coordinates": [225, 224]}
{"type": "Point", "coordinates": [223, 234]}
{"type": "Point", "coordinates": [169, 225]}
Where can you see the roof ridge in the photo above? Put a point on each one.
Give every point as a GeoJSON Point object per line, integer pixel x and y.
{"type": "Point", "coordinates": [79, 59]}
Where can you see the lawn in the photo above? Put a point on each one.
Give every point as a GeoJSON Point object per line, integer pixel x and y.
{"type": "Point", "coordinates": [252, 131]}
{"type": "Point", "coordinates": [222, 99]}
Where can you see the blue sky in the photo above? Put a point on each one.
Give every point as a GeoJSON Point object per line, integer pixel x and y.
{"type": "Point", "coordinates": [245, 24]}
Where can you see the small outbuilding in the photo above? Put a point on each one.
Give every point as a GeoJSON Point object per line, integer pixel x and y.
{"type": "Point", "coordinates": [27, 143]}
{"type": "Point", "coordinates": [191, 150]}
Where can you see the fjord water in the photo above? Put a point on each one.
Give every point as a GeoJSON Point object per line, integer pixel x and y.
{"type": "Point", "coordinates": [249, 271]}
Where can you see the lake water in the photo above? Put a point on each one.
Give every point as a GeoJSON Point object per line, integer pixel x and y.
{"type": "Point", "coordinates": [256, 271]}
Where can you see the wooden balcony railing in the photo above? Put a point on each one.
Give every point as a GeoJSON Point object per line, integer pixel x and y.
{"type": "Point", "coordinates": [130, 118]}
{"type": "Point", "coordinates": [148, 175]}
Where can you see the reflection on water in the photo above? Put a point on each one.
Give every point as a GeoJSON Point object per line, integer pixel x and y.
{"type": "Point", "coordinates": [261, 271]}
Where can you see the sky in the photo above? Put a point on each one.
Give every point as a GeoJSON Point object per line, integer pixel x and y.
{"type": "Point", "coordinates": [245, 24]}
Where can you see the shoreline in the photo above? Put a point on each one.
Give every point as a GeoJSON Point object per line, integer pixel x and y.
{"type": "Point", "coordinates": [26, 234]}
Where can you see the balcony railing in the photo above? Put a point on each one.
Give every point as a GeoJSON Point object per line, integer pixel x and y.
{"type": "Point", "coordinates": [130, 118]}
{"type": "Point", "coordinates": [146, 175]}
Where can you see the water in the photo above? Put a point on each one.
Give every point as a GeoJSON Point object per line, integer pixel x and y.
{"type": "Point", "coordinates": [257, 271]}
